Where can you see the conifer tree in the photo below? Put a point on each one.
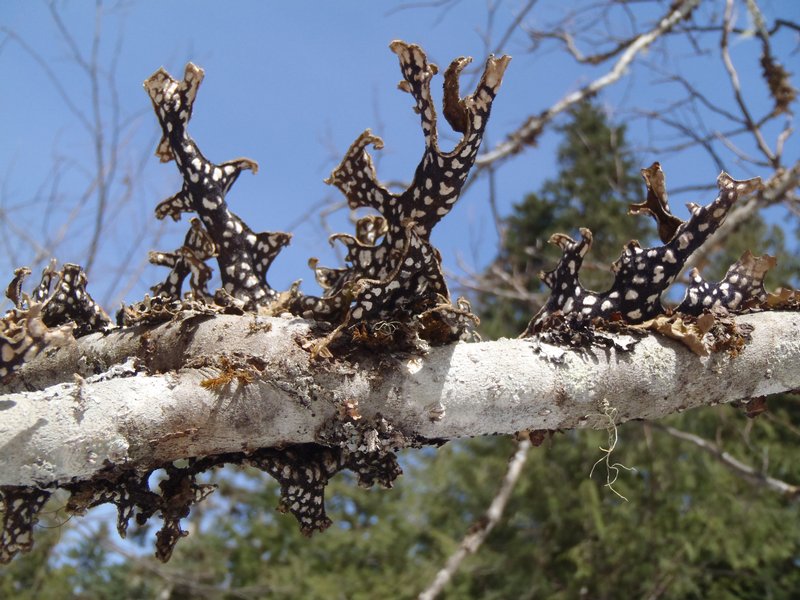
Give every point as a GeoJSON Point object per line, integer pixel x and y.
{"type": "Point", "coordinates": [596, 181]}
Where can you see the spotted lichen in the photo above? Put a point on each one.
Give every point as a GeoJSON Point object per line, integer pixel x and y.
{"type": "Point", "coordinates": [47, 317]}
{"type": "Point", "coordinates": [642, 275]}
{"type": "Point", "coordinates": [392, 290]}
{"type": "Point", "coordinates": [244, 257]}
{"type": "Point", "coordinates": [19, 507]}
{"type": "Point", "coordinates": [189, 259]}
{"type": "Point", "coordinates": [394, 273]}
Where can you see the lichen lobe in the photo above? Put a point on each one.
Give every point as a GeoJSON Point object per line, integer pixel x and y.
{"type": "Point", "coordinates": [642, 275]}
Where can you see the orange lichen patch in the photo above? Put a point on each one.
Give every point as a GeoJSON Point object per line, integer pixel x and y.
{"type": "Point", "coordinates": [228, 374]}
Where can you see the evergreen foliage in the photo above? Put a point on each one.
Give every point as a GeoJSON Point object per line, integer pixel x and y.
{"type": "Point", "coordinates": [597, 179]}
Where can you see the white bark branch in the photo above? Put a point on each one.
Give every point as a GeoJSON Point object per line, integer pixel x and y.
{"type": "Point", "coordinates": [736, 466]}
{"type": "Point", "coordinates": [68, 428]}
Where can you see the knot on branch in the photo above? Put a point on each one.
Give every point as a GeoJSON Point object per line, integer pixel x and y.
{"type": "Point", "coordinates": [394, 273]}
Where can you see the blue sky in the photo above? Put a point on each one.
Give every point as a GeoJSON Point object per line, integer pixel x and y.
{"type": "Point", "coordinates": [291, 85]}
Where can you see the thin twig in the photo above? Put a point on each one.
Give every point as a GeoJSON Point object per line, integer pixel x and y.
{"type": "Point", "coordinates": [735, 466]}
{"type": "Point", "coordinates": [737, 90]}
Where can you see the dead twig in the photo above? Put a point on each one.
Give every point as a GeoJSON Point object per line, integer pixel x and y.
{"type": "Point", "coordinates": [736, 467]}
{"type": "Point", "coordinates": [481, 529]}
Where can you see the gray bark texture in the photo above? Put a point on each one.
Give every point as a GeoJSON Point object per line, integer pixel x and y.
{"type": "Point", "coordinates": [206, 385]}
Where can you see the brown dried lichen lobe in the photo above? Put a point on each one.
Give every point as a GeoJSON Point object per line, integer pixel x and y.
{"type": "Point", "coordinates": [244, 257]}
{"type": "Point", "coordinates": [656, 203]}
{"type": "Point", "coordinates": [401, 273]}
{"type": "Point", "coordinates": [47, 317]}
{"type": "Point", "coordinates": [643, 274]}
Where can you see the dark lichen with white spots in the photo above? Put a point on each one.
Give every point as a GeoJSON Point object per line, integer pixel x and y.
{"type": "Point", "coordinates": [394, 273]}
{"type": "Point", "coordinates": [391, 290]}
{"type": "Point", "coordinates": [641, 275]}
{"type": "Point", "coordinates": [244, 257]}
{"type": "Point", "coordinates": [47, 317]}
{"type": "Point", "coordinates": [19, 507]}
{"type": "Point", "coordinates": [187, 260]}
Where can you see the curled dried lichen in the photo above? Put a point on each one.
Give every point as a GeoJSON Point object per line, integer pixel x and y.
{"type": "Point", "coordinates": [394, 273]}
{"type": "Point", "coordinates": [641, 275]}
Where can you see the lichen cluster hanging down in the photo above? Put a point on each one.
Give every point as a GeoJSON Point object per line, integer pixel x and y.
{"type": "Point", "coordinates": [642, 275]}
{"type": "Point", "coordinates": [398, 280]}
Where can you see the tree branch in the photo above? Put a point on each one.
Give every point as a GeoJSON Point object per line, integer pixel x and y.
{"type": "Point", "coordinates": [162, 395]}
{"type": "Point", "coordinates": [529, 131]}
{"type": "Point", "coordinates": [481, 530]}
{"type": "Point", "coordinates": [736, 467]}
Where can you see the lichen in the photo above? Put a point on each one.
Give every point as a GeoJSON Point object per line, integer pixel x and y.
{"type": "Point", "coordinates": [642, 275]}
{"type": "Point", "coordinates": [19, 507]}
{"type": "Point", "coordinates": [47, 317]}
{"type": "Point", "coordinates": [390, 294]}
{"type": "Point", "coordinates": [394, 273]}
{"type": "Point", "coordinates": [244, 257]}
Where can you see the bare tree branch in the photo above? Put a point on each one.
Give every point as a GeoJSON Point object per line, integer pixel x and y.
{"type": "Point", "coordinates": [63, 428]}
{"type": "Point", "coordinates": [483, 527]}
{"type": "Point", "coordinates": [736, 466]}
{"type": "Point", "coordinates": [529, 131]}
{"type": "Point", "coordinates": [737, 90]}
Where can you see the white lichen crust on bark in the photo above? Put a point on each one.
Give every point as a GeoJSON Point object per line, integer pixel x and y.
{"type": "Point", "coordinates": [134, 397]}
